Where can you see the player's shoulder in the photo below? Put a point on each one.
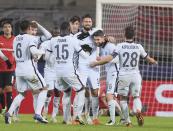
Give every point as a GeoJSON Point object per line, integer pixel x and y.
{"type": "Point", "coordinates": [139, 45]}
{"type": "Point", "coordinates": [121, 44]}
{"type": "Point", "coordinates": [30, 37]}
{"type": "Point", "coordinates": [71, 38]}
{"type": "Point", "coordinates": [77, 34]}
{"type": "Point", "coordinates": [45, 43]}
{"type": "Point", "coordinates": [93, 30]}
{"type": "Point", "coordinates": [110, 44]}
{"type": "Point", "coordinates": [25, 37]}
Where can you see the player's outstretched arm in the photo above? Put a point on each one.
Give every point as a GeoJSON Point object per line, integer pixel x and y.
{"type": "Point", "coordinates": [46, 33]}
{"type": "Point", "coordinates": [102, 61]}
{"type": "Point", "coordinates": [151, 60]}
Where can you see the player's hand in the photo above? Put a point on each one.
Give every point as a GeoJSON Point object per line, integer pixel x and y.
{"type": "Point", "coordinates": [156, 63]}
{"type": "Point", "coordinates": [35, 58]}
{"type": "Point", "coordinates": [98, 58]}
{"type": "Point", "coordinates": [93, 64]}
{"type": "Point", "coordinates": [9, 65]}
{"type": "Point", "coordinates": [110, 39]}
{"type": "Point", "coordinates": [34, 22]}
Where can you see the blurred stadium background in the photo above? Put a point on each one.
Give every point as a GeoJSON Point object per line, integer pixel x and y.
{"type": "Point", "coordinates": [154, 26]}
{"type": "Point", "coordinates": [49, 13]}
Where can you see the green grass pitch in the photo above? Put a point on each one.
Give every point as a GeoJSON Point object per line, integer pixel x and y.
{"type": "Point", "coordinates": [27, 124]}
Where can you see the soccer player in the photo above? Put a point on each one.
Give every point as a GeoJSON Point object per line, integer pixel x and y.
{"type": "Point", "coordinates": [34, 27]}
{"type": "Point", "coordinates": [26, 52]}
{"type": "Point", "coordinates": [64, 48]}
{"type": "Point", "coordinates": [50, 79]}
{"type": "Point", "coordinates": [130, 79]}
{"type": "Point", "coordinates": [7, 65]}
{"type": "Point", "coordinates": [112, 70]}
{"type": "Point", "coordinates": [92, 79]}
{"type": "Point", "coordinates": [74, 25]}
{"type": "Point", "coordinates": [66, 99]}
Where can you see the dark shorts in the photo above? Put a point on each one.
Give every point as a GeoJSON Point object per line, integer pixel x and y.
{"type": "Point", "coordinates": [6, 79]}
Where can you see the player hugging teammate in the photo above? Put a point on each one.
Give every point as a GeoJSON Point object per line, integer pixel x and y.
{"type": "Point", "coordinates": [72, 62]}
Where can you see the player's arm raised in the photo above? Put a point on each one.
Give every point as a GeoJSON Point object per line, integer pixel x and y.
{"type": "Point", "coordinates": [46, 34]}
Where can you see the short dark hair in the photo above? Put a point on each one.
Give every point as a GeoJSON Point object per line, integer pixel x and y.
{"type": "Point", "coordinates": [65, 28]}
{"type": "Point", "coordinates": [129, 32]}
{"type": "Point", "coordinates": [34, 25]}
{"type": "Point", "coordinates": [87, 16]}
{"type": "Point", "coordinates": [24, 25]}
{"type": "Point", "coordinates": [55, 31]}
{"type": "Point", "coordinates": [7, 22]}
{"type": "Point", "coordinates": [98, 33]}
{"type": "Point", "coordinates": [74, 19]}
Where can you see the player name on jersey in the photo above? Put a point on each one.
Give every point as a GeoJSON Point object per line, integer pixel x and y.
{"type": "Point", "coordinates": [130, 47]}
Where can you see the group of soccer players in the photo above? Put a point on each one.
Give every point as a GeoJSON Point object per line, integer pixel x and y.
{"type": "Point", "coordinates": [72, 60]}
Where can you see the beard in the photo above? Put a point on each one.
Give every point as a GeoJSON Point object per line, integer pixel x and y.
{"type": "Point", "coordinates": [87, 28]}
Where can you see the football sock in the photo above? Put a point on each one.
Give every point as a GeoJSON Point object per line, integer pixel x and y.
{"type": "Point", "coordinates": [95, 107]}
{"type": "Point", "coordinates": [2, 100]}
{"type": "Point", "coordinates": [66, 106]}
{"type": "Point", "coordinates": [125, 110]}
{"type": "Point", "coordinates": [46, 105]}
{"type": "Point", "coordinates": [80, 97]}
{"type": "Point", "coordinates": [56, 101]}
{"type": "Point", "coordinates": [111, 105]}
{"type": "Point", "coordinates": [16, 103]}
{"type": "Point", "coordinates": [87, 105]}
{"type": "Point", "coordinates": [137, 105]}
{"type": "Point", "coordinates": [9, 99]}
{"type": "Point", "coordinates": [40, 101]}
{"type": "Point", "coordinates": [35, 97]}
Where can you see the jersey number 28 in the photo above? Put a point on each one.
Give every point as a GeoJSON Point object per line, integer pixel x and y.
{"type": "Point", "coordinates": [130, 57]}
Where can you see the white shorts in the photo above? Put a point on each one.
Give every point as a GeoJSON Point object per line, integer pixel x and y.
{"type": "Point", "coordinates": [93, 80]}
{"type": "Point", "coordinates": [50, 79]}
{"type": "Point", "coordinates": [65, 81]}
{"type": "Point", "coordinates": [30, 82]}
{"type": "Point", "coordinates": [130, 83]}
{"type": "Point", "coordinates": [111, 82]}
{"type": "Point", "coordinates": [82, 72]}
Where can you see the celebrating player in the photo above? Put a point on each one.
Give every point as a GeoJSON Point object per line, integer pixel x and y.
{"type": "Point", "coordinates": [92, 79]}
{"type": "Point", "coordinates": [129, 76]}
{"type": "Point", "coordinates": [64, 48]}
{"type": "Point", "coordinates": [112, 70]}
{"type": "Point", "coordinates": [26, 52]}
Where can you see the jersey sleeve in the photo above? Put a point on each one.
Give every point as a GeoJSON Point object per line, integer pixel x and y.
{"type": "Point", "coordinates": [49, 46]}
{"type": "Point", "coordinates": [77, 45]}
{"type": "Point", "coordinates": [143, 53]}
{"type": "Point", "coordinates": [112, 48]}
{"type": "Point", "coordinates": [45, 45]}
{"type": "Point", "coordinates": [33, 41]}
{"type": "Point", "coordinates": [91, 32]}
{"type": "Point", "coordinates": [115, 51]}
